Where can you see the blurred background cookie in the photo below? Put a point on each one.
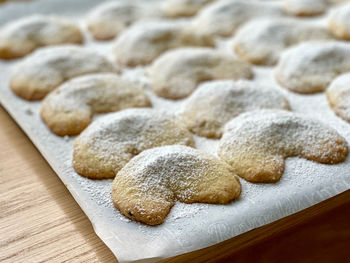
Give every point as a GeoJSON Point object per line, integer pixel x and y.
{"type": "Point", "coordinates": [305, 7]}
{"type": "Point", "coordinates": [222, 18]}
{"type": "Point", "coordinates": [176, 74]}
{"type": "Point", "coordinates": [261, 41]}
{"type": "Point", "coordinates": [107, 20]}
{"type": "Point", "coordinates": [179, 8]}
{"type": "Point", "coordinates": [47, 68]}
{"type": "Point", "coordinates": [309, 67]}
{"type": "Point", "coordinates": [20, 37]}
{"type": "Point", "coordinates": [338, 22]}
{"type": "Point", "coordinates": [143, 42]}
{"type": "Point", "coordinates": [338, 95]}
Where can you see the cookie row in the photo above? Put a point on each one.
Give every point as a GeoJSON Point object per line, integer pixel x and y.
{"type": "Point", "coordinates": [130, 146]}
{"type": "Point", "coordinates": [307, 68]}
{"type": "Point", "coordinates": [221, 18]}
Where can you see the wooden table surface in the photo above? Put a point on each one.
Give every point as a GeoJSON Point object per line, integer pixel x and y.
{"type": "Point", "coordinates": [41, 222]}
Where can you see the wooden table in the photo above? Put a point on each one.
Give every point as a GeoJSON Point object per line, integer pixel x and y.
{"type": "Point", "coordinates": [41, 222]}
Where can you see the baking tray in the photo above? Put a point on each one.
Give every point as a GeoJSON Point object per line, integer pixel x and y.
{"type": "Point", "coordinates": [189, 226]}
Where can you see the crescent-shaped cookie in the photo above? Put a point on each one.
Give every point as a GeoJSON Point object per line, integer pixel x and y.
{"type": "Point", "coordinates": [213, 104]}
{"type": "Point", "coordinates": [257, 143]}
{"type": "Point", "coordinates": [176, 74]}
{"type": "Point", "coordinates": [69, 109]}
{"type": "Point", "coordinates": [47, 68]}
{"type": "Point", "coordinates": [338, 95]}
{"type": "Point", "coordinates": [222, 18]}
{"type": "Point", "coordinates": [305, 7]}
{"type": "Point", "coordinates": [179, 8]}
{"type": "Point", "coordinates": [309, 67]}
{"type": "Point", "coordinates": [261, 41]}
{"type": "Point", "coordinates": [20, 37]}
{"type": "Point", "coordinates": [107, 20]}
{"type": "Point", "coordinates": [338, 22]}
{"type": "Point", "coordinates": [108, 143]}
{"type": "Point", "coordinates": [143, 42]}
{"type": "Point", "coordinates": [147, 187]}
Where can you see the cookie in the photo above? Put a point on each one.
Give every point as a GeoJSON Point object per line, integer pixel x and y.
{"type": "Point", "coordinates": [146, 188]}
{"type": "Point", "coordinates": [305, 7]}
{"type": "Point", "coordinates": [108, 143]}
{"type": "Point", "coordinates": [222, 18]}
{"type": "Point", "coordinates": [309, 67]}
{"type": "Point", "coordinates": [261, 41]}
{"type": "Point", "coordinates": [20, 37]}
{"type": "Point", "coordinates": [213, 104]}
{"type": "Point", "coordinates": [257, 143]}
{"type": "Point", "coordinates": [107, 20]}
{"type": "Point", "coordinates": [47, 68]}
{"type": "Point", "coordinates": [338, 95]}
{"type": "Point", "coordinates": [143, 42]}
{"type": "Point", "coordinates": [176, 74]}
{"type": "Point", "coordinates": [180, 8]}
{"type": "Point", "coordinates": [69, 109]}
{"type": "Point", "coordinates": [338, 22]}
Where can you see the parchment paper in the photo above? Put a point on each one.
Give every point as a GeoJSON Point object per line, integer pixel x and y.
{"type": "Point", "coordinates": [188, 227]}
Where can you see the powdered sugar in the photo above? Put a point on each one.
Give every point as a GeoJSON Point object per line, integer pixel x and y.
{"type": "Point", "coordinates": [261, 41]}
{"type": "Point", "coordinates": [188, 227]}
{"type": "Point", "coordinates": [309, 67]}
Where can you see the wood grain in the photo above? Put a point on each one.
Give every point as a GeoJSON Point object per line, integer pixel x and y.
{"type": "Point", "coordinates": [41, 222]}
{"type": "Point", "coordinates": [39, 219]}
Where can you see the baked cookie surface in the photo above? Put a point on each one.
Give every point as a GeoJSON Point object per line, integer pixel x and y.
{"type": "Point", "coordinates": [147, 187]}
{"type": "Point", "coordinates": [69, 109]}
{"type": "Point", "coordinates": [338, 95]}
{"type": "Point", "coordinates": [108, 143]}
{"type": "Point", "coordinates": [143, 42]}
{"type": "Point", "coordinates": [213, 104]}
{"type": "Point", "coordinates": [22, 36]}
{"type": "Point", "coordinates": [109, 19]}
{"type": "Point", "coordinates": [261, 41]}
{"type": "Point", "coordinates": [309, 67]}
{"type": "Point", "coordinates": [222, 18]}
{"type": "Point", "coordinates": [179, 8]}
{"type": "Point", "coordinates": [176, 73]}
{"type": "Point", "coordinates": [257, 143]}
{"type": "Point", "coordinates": [44, 70]}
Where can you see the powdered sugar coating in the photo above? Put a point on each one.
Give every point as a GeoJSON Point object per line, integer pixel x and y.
{"type": "Point", "coordinates": [261, 41]}
{"type": "Point", "coordinates": [213, 104]}
{"type": "Point", "coordinates": [108, 19]}
{"type": "Point", "coordinates": [22, 36]}
{"type": "Point", "coordinates": [48, 67]}
{"type": "Point", "coordinates": [338, 95]}
{"type": "Point", "coordinates": [143, 42]}
{"type": "Point", "coordinates": [222, 18]}
{"type": "Point", "coordinates": [338, 22]}
{"type": "Point", "coordinates": [69, 109]}
{"type": "Point", "coordinates": [147, 187]}
{"type": "Point", "coordinates": [105, 146]}
{"type": "Point", "coordinates": [257, 143]}
{"type": "Point", "coordinates": [177, 73]}
{"type": "Point", "coordinates": [178, 8]}
{"type": "Point", "coordinates": [309, 67]}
